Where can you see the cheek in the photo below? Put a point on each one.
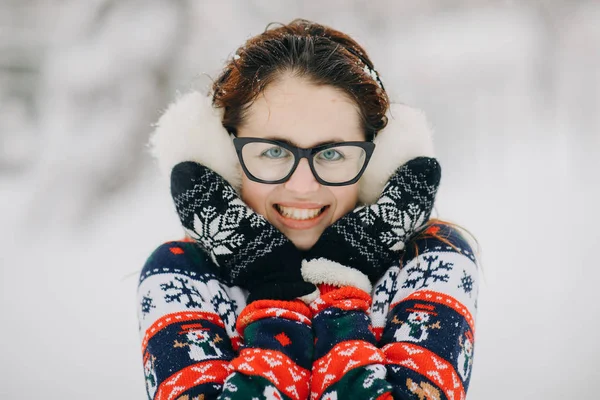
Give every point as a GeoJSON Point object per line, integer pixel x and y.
{"type": "Point", "coordinates": [346, 198]}
{"type": "Point", "coordinates": [255, 195]}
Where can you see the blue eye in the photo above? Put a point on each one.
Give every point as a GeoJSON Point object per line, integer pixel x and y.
{"type": "Point", "coordinates": [330, 155]}
{"type": "Point", "coordinates": [275, 152]}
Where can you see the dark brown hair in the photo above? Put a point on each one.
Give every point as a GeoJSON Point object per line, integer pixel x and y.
{"type": "Point", "coordinates": [316, 52]}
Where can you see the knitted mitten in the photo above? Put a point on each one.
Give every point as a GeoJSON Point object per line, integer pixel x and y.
{"type": "Point", "coordinates": [358, 248]}
{"type": "Point", "coordinates": [253, 254]}
{"type": "Point", "coordinates": [348, 364]}
{"type": "Point", "coordinates": [274, 362]}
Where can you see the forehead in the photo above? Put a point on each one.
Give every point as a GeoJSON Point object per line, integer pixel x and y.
{"type": "Point", "coordinates": [303, 113]}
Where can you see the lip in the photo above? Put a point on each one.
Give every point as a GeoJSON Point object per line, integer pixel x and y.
{"type": "Point", "coordinates": [301, 205]}
{"type": "Point", "coordinates": [301, 224]}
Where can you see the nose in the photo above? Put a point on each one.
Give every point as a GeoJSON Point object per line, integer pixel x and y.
{"type": "Point", "coordinates": [302, 180]}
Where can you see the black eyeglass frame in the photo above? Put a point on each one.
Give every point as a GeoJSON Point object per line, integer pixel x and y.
{"type": "Point", "coordinates": [300, 153]}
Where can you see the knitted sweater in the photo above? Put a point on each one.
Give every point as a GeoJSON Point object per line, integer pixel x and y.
{"type": "Point", "coordinates": [412, 337]}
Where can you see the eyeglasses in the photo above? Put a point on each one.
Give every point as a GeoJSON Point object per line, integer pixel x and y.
{"type": "Point", "coordinates": [273, 161]}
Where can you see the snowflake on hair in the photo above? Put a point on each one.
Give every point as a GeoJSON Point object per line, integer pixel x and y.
{"type": "Point", "coordinates": [373, 74]}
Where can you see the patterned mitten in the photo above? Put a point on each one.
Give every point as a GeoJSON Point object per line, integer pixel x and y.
{"type": "Point", "coordinates": [252, 253]}
{"type": "Point", "coordinates": [348, 364]}
{"type": "Point", "coordinates": [275, 360]}
{"type": "Point", "coordinates": [359, 247]}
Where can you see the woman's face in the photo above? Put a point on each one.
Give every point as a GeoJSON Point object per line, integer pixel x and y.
{"type": "Point", "coordinates": [293, 109]}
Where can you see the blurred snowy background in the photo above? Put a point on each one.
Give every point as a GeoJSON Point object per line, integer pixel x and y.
{"type": "Point", "coordinates": [512, 88]}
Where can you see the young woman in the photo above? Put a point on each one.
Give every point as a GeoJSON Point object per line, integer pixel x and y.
{"type": "Point", "coordinates": [310, 267]}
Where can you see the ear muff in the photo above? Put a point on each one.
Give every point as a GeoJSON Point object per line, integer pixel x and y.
{"type": "Point", "coordinates": [191, 130]}
{"type": "Point", "coordinates": [406, 136]}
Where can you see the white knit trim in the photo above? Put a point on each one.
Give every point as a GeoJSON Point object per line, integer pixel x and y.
{"type": "Point", "coordinates": [191, 130]}
{"type": "Point", "coordinates": [309, 298]}
{"type": "Point", "coordinates": [406, 136]}
{"type": "Point", "coordinates": [322, 270]}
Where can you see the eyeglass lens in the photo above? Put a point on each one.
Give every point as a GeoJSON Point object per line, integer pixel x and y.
{"type": "Point", "coordinates": [270, 162]}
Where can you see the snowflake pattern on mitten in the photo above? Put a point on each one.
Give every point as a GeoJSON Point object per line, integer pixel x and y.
{"type": "Point", "coordinates": [368, 239]}
{"type": "Point", "coordinates": [251, 253]}
{"type": "Point", "coordinates": [213, 214]}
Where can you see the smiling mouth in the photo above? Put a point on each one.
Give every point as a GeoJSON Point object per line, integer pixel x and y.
{"type": "Point", "coordinates": [299, 214]}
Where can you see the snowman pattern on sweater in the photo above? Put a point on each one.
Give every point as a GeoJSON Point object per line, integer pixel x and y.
{"type": "Point", "coordinates": [150, 374]}
{"type": "Point", "coordinates": [416, 327]}
{"type": "Point", "coordinates": [198, 339]}
{"type": "Point", "coordinates": [465, 357]}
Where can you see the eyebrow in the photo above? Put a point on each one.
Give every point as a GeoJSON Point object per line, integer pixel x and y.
{"type": "Point", "coordinates": [292, 143]}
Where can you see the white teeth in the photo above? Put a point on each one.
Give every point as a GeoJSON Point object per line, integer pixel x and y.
{"type": "Point", "coordinates": [299, 213]}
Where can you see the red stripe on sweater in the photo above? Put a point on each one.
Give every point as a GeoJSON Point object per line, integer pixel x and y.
{"type": "Point", "coordinates": [178, 317]}
{"type": "Point", "coordinates": [440, 298]}
{"type": "Point", "coordinates": [294, 310]}
{"type": "Point", "coordinates": [346, 298]}
{"type": "Point", "coordinates": [287, 376]}
{"type": "Point", "coordinates": [342, 358]}
{"type": "Point", "coordinates": [427, 364]}
{"type": "Point", "coordinates": [205, 372]}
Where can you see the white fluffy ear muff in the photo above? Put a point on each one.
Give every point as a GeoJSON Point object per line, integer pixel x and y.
{"type": "Point", "coordinates": [191, 130]}
{"type": "Point", "coordinates": [406, 136]}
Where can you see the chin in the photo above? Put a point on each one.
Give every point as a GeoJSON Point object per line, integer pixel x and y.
{"type": "Point", "coordinates": [304, 243]}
